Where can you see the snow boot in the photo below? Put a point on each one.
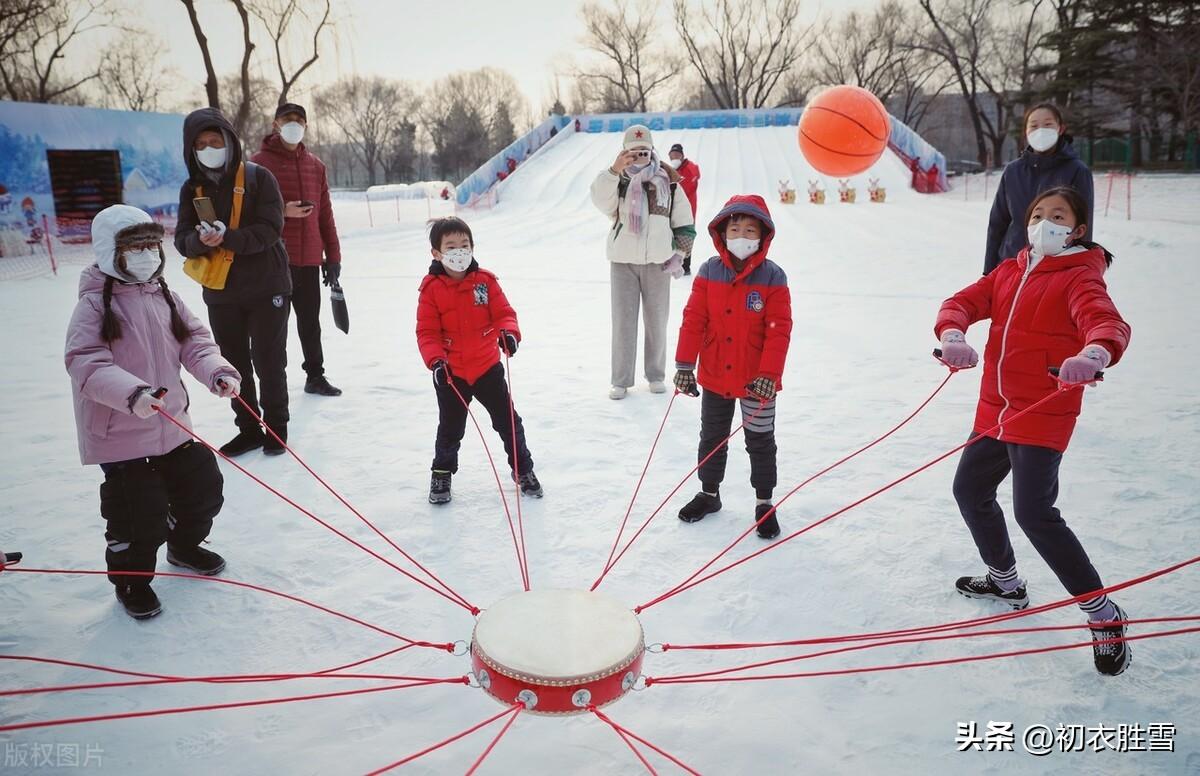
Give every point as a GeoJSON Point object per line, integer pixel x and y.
{"type": "Point", "coordinates": [1112, 658]}
{"type": "Point", "coordinates": [139, 600]}
{"type": "Point", "coordinates": [985, 587]}
{"type": "Point", "coordinates": [530, 485]}
{"type": "Point", "coordinates": [769, 528]}
{"type": "Point", "coordinates": [320, 386]}
{"type": "Point", "coordinates": [273, 446]}
{"type": "Point", "coordinates": [243, 443]}
{"type": "Point", "coordinates": [701, 504]}
{"type": "Point", "coordinates": [197, 559]}
{"type": "Point", "coordinates": [439, 487]}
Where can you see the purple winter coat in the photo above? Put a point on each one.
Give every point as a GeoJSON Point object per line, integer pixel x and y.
{"type": "Point", "coordinates": [104, 375]}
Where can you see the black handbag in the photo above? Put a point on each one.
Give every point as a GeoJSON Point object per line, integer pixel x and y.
{"type": "Point", "coordinates": [341, 314]}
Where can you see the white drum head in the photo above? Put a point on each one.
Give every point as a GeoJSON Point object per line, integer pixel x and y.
{"type": "Point", "coordinates": [559, 634]}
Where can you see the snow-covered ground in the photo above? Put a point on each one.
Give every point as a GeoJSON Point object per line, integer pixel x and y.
{"type": "Point", "coordinates": [866, 281]}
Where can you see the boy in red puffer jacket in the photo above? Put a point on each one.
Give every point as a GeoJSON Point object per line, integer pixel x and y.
{"type": "Point", "coordinates": [463, 320]}
{"type": "Point", "coordinates": [1049, 307]}
{"type": "Point", "coordinates": [738, 321]}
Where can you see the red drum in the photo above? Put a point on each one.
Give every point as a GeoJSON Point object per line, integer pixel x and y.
{"type": "Point", "coordinates": [557, 651]}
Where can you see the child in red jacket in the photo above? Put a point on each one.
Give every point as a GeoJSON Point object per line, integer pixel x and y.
{"type": "Point", "coordinates": [1048, 307]}
{"type": "Point", "coordinates": [463, 318]}
{"type": "Point", "coordinates": [738, 321]}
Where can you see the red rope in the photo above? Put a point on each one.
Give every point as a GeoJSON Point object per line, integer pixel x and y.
{"type": "Point", "coordinates": [475, 766]}
{"type": "Point", "coordinates": [496, 473]}
{"type": "Point", "coordinates": [350, 506]}
{"type": "Point", "coordinates": [818, 475]}
{"type": "Point", "coordinates": [960, 624]}
{"type": "Point", "coordinates": [921, 640]}
{"type": "Point", "coordinates": [638, 487]}
{"type": "Point", "coordinates": [446, 742]}
{"type": "Point", "coordinates": [775, 545]}
{"type": "Point", "coordinates": [310, 515]}
{"type": "Point", "coordinates": [922, 664]}
{"type": "Point", "coordinates": [364, 661]}
{"type": "Point", "coordinates": [636, 737]}
{"type": "Point", "coordinates": [671, 495]}
{"type": "Point", "coordinates": [448, 647]}
{"type": "Point", "coordinates": [512, 422]}
{"type": "Point", "coordinates": [219, 679]}
{"type": "Point", "coordinates": [632, 748]}
{"type": "Point", "coordinates": [218, 706]}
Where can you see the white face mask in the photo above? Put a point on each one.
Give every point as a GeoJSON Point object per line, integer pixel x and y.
{"type": "Point", "coordinates": [1043, 139]}
{"type": "Point", "coordinates": [212, 158]}
{"type": "Point", "coordinates": [676, 162]}
{"type": "Point", "coordinates": [142, 264]}
{"type": "Point", "coordinates": [292, 132]}
{"type": "Point", "coordinates": [1047, 238]}
{"type": "Point", "coordinates": [742, 247]}
{"type": "Point", "coordinates": [457, 259]}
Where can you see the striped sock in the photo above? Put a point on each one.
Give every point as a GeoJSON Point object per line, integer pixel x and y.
{"type": "Point", "coordinates": [1007, 581]}
{"type": "Point", "coordinates": [1099, 609]}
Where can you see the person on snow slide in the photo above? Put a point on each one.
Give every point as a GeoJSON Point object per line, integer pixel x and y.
{"type": "Point", "coordinates": [463, 321]}
{"type": "Point", "coordinates": [738, 323]}
{"type": "Point", "coordinates": [1049, 307]}
{"type": "Point", "coordinates": [129, 336]}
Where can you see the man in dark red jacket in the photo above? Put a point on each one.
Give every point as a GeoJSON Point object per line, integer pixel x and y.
{"type": "Point", "coordinates": [309, 233]}
{"type": "Point", "coordinates": [689, 174]}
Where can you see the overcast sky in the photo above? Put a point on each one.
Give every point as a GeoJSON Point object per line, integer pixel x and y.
{"type": "Point", "coordinates": [419, 40]}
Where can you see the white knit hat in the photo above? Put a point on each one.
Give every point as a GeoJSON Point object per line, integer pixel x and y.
{"type": "Point", "coordinates": [638, 136]}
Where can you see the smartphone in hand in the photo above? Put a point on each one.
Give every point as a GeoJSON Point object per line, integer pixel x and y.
{"type": "Point", "coordinates": [205, 210]}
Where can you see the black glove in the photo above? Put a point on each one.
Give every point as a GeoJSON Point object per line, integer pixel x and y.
{"type": "Point", "coordinates": [685, 382]}
{"type": "Point", "coordinates": [762, 388]}
{"type": "Point", "coordinates": [330, 272]}
{"type": "Point", "coordinates": [508, 342]}
{"type": "Point", "coordinates": [441, 374]}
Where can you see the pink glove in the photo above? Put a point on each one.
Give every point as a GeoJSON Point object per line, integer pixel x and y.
{"type": "Point", "coordinates": [955, 350]}
{"type": "Point", "coordinates": [145, 406]}
{"type": "Point", "coordinates": [228, 387]}
{"type": "Point", "coordinates": [674, 266]}
{"type": "Point", "coordinates": [1084, 367]}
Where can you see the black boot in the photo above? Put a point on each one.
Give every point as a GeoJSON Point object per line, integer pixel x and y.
{"type": "Point", "coordinates": [769, 528]}
{"type": "Point", "coordinates": [320, 386]}
{"type": "Point", "coordinates": [196, 559]}
{"type": "Point", "coordinates": [701, 504]}
{"type": "Point", "coordinates": [986, 588]}
{"type": "Point", "coordinates": [243, 443]}
{"type": "Point", "coordinates": [439, 487]}
{"type": "Point", "coordinates": [139, 600]}
{"type": "Point", "coordinates": [273, 446]}
{"type": "Point", "coordinates": [530, 485]}
{"type": "Point", "coordinates": [1113, 658]}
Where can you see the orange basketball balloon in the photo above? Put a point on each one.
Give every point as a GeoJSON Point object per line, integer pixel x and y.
{"type": "Point", "coordinates": [843, 131]}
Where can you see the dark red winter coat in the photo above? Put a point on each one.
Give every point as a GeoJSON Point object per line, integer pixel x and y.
{"type": "Point", "coordinates": [1038, 319]}
{"type": "Point", "coordinates": [301, 176]}
{"type": "Point", "coordinates": [739, 324]}
{"type": "Point", "coordinates": [689, 179]}
{"type": "Point", "coordinates": [461, 320]}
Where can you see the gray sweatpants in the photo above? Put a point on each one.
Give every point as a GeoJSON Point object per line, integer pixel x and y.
{"type": "Point", "coordinates": [647, 286]}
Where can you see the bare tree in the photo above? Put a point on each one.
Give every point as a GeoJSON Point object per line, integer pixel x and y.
{"type": "Point", "coordinates": [1175, 66]}
{"type": "Point", "coordinates": [132, 74]}
{"type": "Point", "coordinates": [633, 59]}
{"type": "Point", "coordinates": [742, 49]}
{"type": "Point", "coordinates": [242, 116]}
{"type": "Point", "coordinates": [368, 113]}
{"type": "Point", "coordinates": [261, 111]}
{"type": "Point", "coordinates": [211, 85]}
{"type": "Point", "coordinates": [35, 42]}
{"type": "Point", "coordinates": [1012, 55]}
{"type": "Point", "coordinates": [285, 19]}
{"type": "Point", "coordinates": [865, 50]}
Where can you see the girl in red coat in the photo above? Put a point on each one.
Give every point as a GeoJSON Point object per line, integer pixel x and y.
{"type": "Point", "coordinates": [1048, 307]}
{"type": "Point", "coordinates": [463, 319]}
{"type": "Point", "coordinates": [738, 321]}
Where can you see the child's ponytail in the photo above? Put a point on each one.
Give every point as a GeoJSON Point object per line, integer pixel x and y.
{"type": "Point", "coordinates": [178, 327]}
{"type": "Point", "coordinates": [110, 326]}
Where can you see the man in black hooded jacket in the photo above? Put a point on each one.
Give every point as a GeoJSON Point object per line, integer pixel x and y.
{"type": "Point", "coordinates": [249, 316]}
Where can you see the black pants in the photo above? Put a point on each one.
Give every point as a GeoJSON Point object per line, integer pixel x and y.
{"type": "Point", "coordinates": [492, 392]}
{"type": "Point", "coordinates": [147, 501]}
{"type": "Point", "coordinates": [306, 301]}
{"type": "Point", "coordinates": [687, 262]}
{"type": "Point", "coordinates": [716, 421]}
{"type": "Point", "coordinates": [983, 466]}
{"type": "Point", "coordinates": [253, 337]}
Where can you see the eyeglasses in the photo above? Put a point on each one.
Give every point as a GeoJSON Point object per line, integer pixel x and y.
{"type": "Point", "coordinates": [145, 246]}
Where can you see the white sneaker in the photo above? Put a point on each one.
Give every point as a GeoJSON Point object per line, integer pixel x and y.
{"type": "Point", "coordinates": [617, 392]}
{"type": "Point", "coordinates": [658, 386]}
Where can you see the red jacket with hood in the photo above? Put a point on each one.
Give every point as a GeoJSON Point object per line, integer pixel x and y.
{"type": "Point", "coordinates": [302, 176]}
{"type": "Point", "coordinates": [460, 320]}
{"type": "Point", "coordinates": [1040, 316]}
{"type": "Point", "coordinates": [689, 179]}
{"type": "Point", "coordinates": [739, 323]}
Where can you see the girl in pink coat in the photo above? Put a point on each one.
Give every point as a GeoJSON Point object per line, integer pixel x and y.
{"type": "Point", "coordinates": [129, 337]}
